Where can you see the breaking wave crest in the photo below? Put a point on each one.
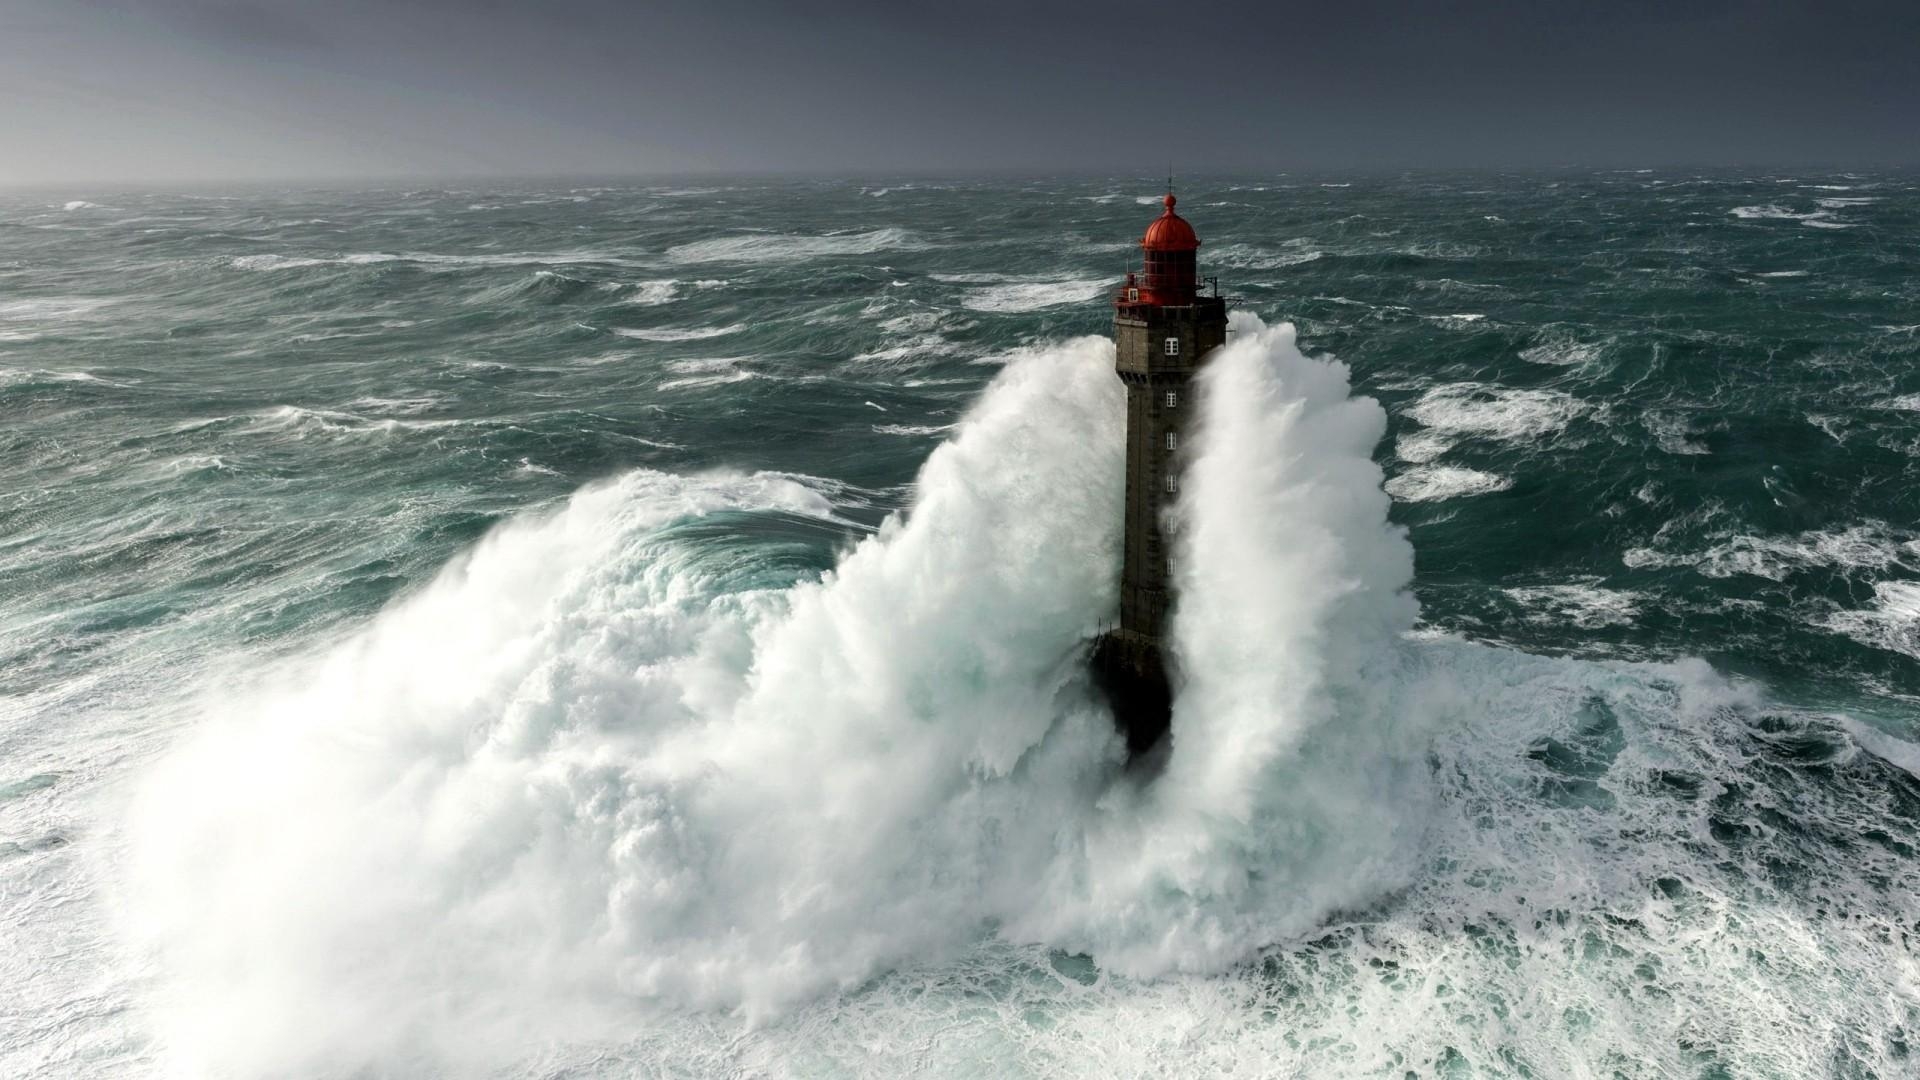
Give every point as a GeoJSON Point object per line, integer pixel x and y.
{"type": "Point", "coordinates": [611, 782]}
{"type": "Point", "coordinates": [590, 765]}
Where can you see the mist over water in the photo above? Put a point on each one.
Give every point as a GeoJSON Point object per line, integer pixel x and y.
{"type": "Point", "coordinates": [479, 660]}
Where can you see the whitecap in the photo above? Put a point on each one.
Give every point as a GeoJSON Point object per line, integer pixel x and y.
{"type": "Point", "coordinates": [28, 376]}
{"type": "Point", "coordinates": [1867, 546]}
{"type": "Point", "coordinates": [1672, 432]}
{"type": "Point", "coordinates": [708, 371]}
{"type": "Point", "coordinates": [652, 293]}
{"type": "Point", "coordinates": [1495, 412]}
{"type": "Point", "coordinates": [719, 379]}
{"type": "Point", "coordinates": [1766, 212]}
{"type": "Point", "coordinates": [974, 278]}
{"type": "Point", "coordinates": [51, 308]}
{"type": "Point", "coordinates": [1563, 351]}
{"type": "Point", "coordinates": [406, 406]}
{"type": "Point", "coordinates": [1433, 483]}
{"type": "Point", "coordinates": [778, 247]}
{"type": "Point", "coordinates": [528, 468]}
{"type": "Point", "coordinates": [1892, 623]}
{"type": "Point", "coordinates": [913, 322]}
{"type": "Point", "coordinates": [923, 346]}
{"type": "Point", "coordinates": [1251, 257]}
{"type": "Point", "coordinates": [1035, 295]}
{"type": "Point", "coordinates": [1419, 447]}
{"type": "Point", "coordinates": [697, 333]}
{"type": "Point", "coordinates": [1580, 603]}
{"type": "Point", "coordinates": [271, 262]}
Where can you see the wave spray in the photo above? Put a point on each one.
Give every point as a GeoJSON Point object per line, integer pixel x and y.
{"type": "Point", "coordinates": [601, 772]}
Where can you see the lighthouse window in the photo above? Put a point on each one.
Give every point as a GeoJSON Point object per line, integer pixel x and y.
{"type": "Point", "coordinates": [1173, 440]}
{"type": "Point", "coordinates": [1173, 399]}
{"type": "Point", "coordinates": [1173, 346]}
{"type": "Point", "coordinates": [1173, 483]}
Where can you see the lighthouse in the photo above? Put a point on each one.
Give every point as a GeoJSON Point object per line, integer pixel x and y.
{"type": "Point", "coordinates": [1163, 330]}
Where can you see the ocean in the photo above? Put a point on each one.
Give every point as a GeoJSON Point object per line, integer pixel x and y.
{"type": "Point", "coordinates": [638, 630]}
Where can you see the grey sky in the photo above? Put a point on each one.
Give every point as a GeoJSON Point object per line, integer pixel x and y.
{"type": "Point", "coordinates": [133, 91]}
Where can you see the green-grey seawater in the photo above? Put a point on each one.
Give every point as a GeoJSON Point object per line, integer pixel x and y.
{"type": "Point", "coordinates": [411, 661]}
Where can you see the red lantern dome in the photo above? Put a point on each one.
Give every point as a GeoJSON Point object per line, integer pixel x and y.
{"type": "Point", "coordinates": [1169, 274]}
{"type": "Point", "coordinates": [1170, 232]}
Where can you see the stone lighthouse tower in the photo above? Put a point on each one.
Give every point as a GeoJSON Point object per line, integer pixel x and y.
{"type": "Point", "coordinates": [1163, 330]}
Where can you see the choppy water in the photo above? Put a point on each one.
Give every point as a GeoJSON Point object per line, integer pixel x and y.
{"type": "Point", "coordinates": [415, 657]}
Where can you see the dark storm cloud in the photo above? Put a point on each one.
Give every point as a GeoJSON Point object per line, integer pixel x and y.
{"type": "Point", "coordinates": [117, 90]}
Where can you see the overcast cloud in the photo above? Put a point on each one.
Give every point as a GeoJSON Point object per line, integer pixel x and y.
{"type": "Point", "coordinates": [118, 91]}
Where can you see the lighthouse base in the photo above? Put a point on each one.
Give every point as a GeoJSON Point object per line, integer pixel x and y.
{"type": "Point", "coordinates": [1128, 669]}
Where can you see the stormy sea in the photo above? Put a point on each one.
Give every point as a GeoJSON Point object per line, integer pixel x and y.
{"type": "Point", "coordinates": [640, 630]}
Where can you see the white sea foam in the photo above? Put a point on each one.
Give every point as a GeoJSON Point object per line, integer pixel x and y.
{"type": "Point", "coordinates": [272, 262]}
{"type": "Point", "coordinates": [1562, 350]}
{"type": "Point", "coordinates": [1582, 604]}
{"type": "Point", "coordinates": [708, 371]}
{"type": "Point", "coordinates": [1269, 816]}
{"type": "Point", "coordinates": [1480, 410]}
{"type": "Point", "coordinates": [298, 422]}
{"type": "Point", "coordinates": [1458, 321]}
{"type": "Point", "coordinates": [1250, 257]}
{"type": "Point", "coordinates": [779, 247]}
{"type": "Point", "coordinates": [918, 348]}
{"type": "Point", "coordinates": [1035, 295]}
{"type": "Point", "coordinates": [1673, 432]}
{"type": "Point", "coordinates": [566, 778]}
{"type": "Point", "coordinates": [976, 278]}
{"type": "Point", "coordinates": [693, 333]}
{"type": "Point", "coordinates": [1818, 219]}
{"type": "Point", "coordinates": [1867, 546]}
{"type": "Point", "coordinates": [1892, 623]}
{"type": "Point", "coordinates": [30, 376]}
{"type": "Point", "coordinates": [1420, 447]}
{"type": "Point", "coordinates": [590, 803]}
{"type": "Point", "coordinates": [277, 262]}
{"type": "Point", "coordinates": [50, 309]}
{"type": "Point", "coordinates": [913, 322]}
{"type": "Point", "coordinates": [406, 406]}
{"type": "Point", "coordinates": [1433, 483]}
{"type": "Point", "coordinates": [655, 292]}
